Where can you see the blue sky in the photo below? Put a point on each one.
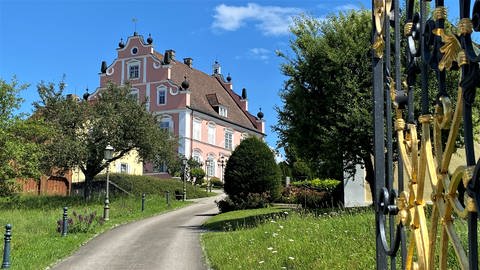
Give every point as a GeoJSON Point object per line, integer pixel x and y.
{"type": "Point", "coordinates": [43, 40]}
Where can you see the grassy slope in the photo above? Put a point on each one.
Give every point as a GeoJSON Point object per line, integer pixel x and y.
{"type": "Point", "coordinates": [35, 241]}
{"type": "Point", "coordinates": [299, 242]}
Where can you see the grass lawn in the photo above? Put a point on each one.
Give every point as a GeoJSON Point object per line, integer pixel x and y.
{"type": "Point", "coordinates": [299, 241]}
{"type": "Point", "coordinates": [36, 243]}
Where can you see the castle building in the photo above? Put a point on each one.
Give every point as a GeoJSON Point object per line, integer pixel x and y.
{"type": "Point", "coordinates": [201, 109]}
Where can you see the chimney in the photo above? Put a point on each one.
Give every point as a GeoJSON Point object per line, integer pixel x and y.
{"type": "Point", "coordinates": [188, 61]}
{"type": "Point", "coordinates": [168, 57]}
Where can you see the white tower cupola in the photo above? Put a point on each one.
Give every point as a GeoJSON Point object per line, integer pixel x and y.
{"type": "Point", "coordinates": [217, 69]}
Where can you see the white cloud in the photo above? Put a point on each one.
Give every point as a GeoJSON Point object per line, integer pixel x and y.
{"type": "Point", "coordinates": [259, 53]}
{"type": "Point", "coordinates": [346, 7]}
{"type": "Point", "coordinates": [272, 20]}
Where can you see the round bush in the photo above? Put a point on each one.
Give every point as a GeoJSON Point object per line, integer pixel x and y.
{"type": "Point", "coordinates": [252, 170]}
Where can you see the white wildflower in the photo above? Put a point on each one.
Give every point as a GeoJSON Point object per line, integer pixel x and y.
{"type": "Point", "coordinates": [274, 251]}
{"type": "Point", "coordinates": [270, 248]}
{"type": "Point", "coordinates": [291, 258]}
{"type": "Point", "coordinates": [260, 262]}
{"type": "Point", "coordinates": [291, 240]}
{"type": "Point", "coordinates": [281, 227]}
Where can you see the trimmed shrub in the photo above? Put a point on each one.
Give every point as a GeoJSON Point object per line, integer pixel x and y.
{"type": "Point", "coordinates": [198, 173]}
{"type": "Point", "coordinates": [251, 169]}
{"type": "Point", "coordinates": [138, 184]}
{"type": "Point", "coordinates": [319, 184]}
{"type": "Point", "coordinates": [216, 182]}
{"type": "Point", "coordinates": [250, 201]}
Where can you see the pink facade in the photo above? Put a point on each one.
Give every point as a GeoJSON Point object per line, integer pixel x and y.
{"type": "Point", "coordinates": [208, 117]}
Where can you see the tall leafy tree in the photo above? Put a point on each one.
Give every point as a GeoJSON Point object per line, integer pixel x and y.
{"type": "Point", "coordinates": [326, 118]}
{"type": "Point", "coordinates": [84, 129]}
{"type": "Point", "coordinates": [326, 114]}
{"type": "Point", "coordinates": [21, 140]}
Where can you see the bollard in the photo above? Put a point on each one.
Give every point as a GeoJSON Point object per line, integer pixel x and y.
{"type": "Point", "coordinates": [65, 221]}
{"type": "Point", "coordinates": [143, 202]}
{"type": "Point", "coordinates": [167, 193]}
{"type": "Point", "coordinates": [6, 249]}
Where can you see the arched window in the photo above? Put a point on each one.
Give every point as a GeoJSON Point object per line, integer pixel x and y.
{"type": "Point", "coordinates": [197, 155]}
{"type": "Point", "coordinates": [211, 165]}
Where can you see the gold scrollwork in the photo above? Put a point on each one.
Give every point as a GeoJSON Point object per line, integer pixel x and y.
{"type": "Point", "coordinates": [465, 26]}
{"type": "Point", "coordinates": [443, 114]}
{"type": "Point", "coordinates": [450, 49]}
{"type": "Point", "coordinates": [440, 13]}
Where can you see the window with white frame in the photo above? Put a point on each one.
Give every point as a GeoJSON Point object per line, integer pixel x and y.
{"type": "Point", "coordinates": [123, 168]}
{"type": "Point", "coordinates": [134, 70]}
{"type": "Point", "coordinates": [210, 166]}
{"type": "Point", "coordinates": [197, 129]}
{"type": "Point", "coordinates": [161, 95]}
{"type": "Point", "coordinates": [134, 95]}
{"type": "Point", "coordinates": [229, 139]}
{"type": "Point", "coordinates": [211, 133]}
{"type": "Point", "coordinates": [197, 156]}
{"type": "Point", "coordinates": [222, 111]}
{"type": "Point", "coordinates": [166, 123]}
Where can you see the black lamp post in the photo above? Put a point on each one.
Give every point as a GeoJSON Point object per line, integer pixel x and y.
{"type": "Point", "coordinates": [221, 163]}
{"type": "Point", "coordinates": [207, 165]}
{"type": "Point", "coordinates": [107, 155]}
{"type": "Point", "coordinates": [184, 170]}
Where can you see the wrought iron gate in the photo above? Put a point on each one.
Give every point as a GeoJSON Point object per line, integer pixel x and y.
{"type": "Point", "coordinates": [425, 145]}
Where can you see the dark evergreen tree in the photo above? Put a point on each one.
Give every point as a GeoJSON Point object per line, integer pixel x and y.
{"type": "Point", "coordinates": [251, 169]}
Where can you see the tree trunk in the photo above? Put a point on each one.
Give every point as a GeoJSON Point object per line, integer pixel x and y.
{"type": "Point", "coordinates": [87, 188]}
{"type": "Point", "coordinates": [370, 175]}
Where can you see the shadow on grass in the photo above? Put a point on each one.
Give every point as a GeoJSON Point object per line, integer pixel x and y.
{"type": "Point", "coordinates": [233, 223]}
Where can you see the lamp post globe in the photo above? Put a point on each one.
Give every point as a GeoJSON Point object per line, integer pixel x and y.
{"type": "Point", "coordinates": [107, 156]}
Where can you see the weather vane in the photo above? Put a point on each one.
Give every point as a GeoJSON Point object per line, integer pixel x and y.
{"type": "Point", "coordinates": [135, 20]}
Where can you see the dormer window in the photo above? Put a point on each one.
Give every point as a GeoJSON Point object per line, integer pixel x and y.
{"type": "Point", "coordinates": [222, 111]}
{"type": "Point", "coordinates": [133, 70]}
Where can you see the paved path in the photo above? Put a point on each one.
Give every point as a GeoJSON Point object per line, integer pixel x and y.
{"type": "Point", "coordinates": [167, 241]}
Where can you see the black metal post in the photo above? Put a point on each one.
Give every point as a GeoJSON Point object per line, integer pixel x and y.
{"type": "Point", "coordinates": [398, 85]}
{"type": "Point", "coordinates": [65, 221]}
{"type": "Point", "coordinates": [6, 249]}
{"type": "Point", "coordinates": [143, 202]}
{"type": "Point", "coordinates": [379, 145]}
{"type": "Point", "coordinates": [167, 194]}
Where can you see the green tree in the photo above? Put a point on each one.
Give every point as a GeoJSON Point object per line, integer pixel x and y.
{"type": "Point", "coordinates": [251, 169]}
{"type": "Point", "coordinates": [326, 116]}
{"type": "Point", "coordinates": [83, 130]}
{"type": "Point", "coordinates": [21, 140]}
